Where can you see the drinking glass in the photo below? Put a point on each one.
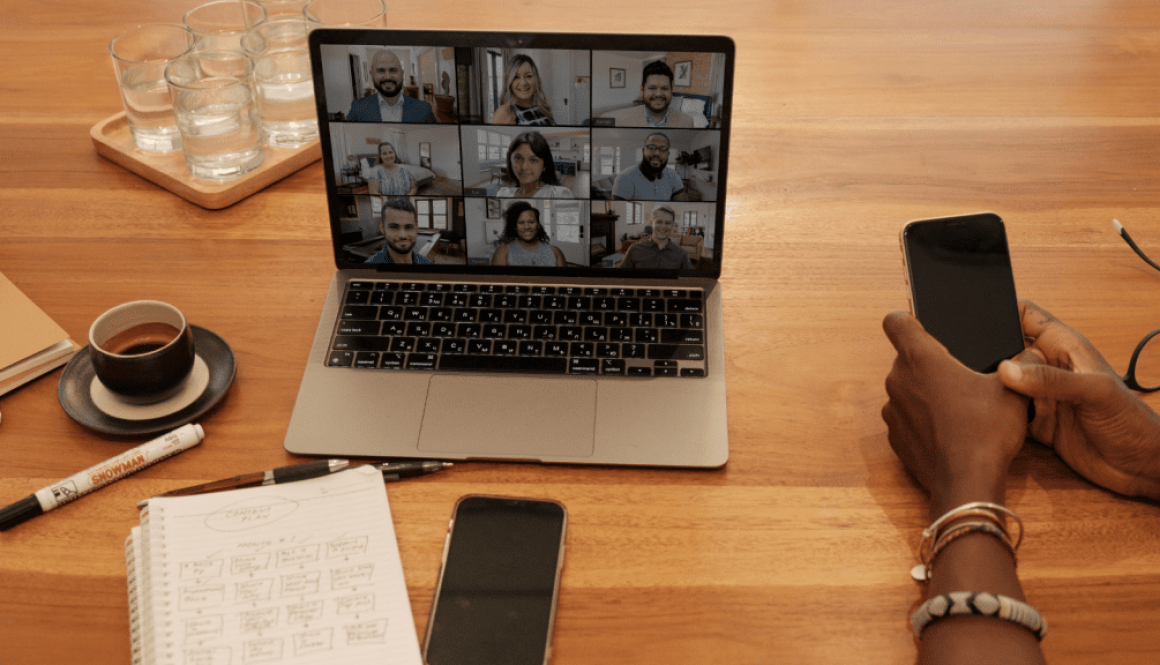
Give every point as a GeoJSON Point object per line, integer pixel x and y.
{"type": "Point", "coordinates": [213, 99]}
{"type": "Point", "coordinates": [140, 55]}
{"type": "Point", "coordinates": [284, 81]}
{"type": "Point", "coordinates": [347, 13]}
{"type": "Point", "coordinates": [220, 25]}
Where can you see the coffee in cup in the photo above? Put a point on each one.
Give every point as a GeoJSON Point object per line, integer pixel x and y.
{"type": "Point", "coordinates": [142, 350]}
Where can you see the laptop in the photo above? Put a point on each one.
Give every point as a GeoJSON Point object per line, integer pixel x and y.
{"type": "Point", "coordinates": [528, 232]}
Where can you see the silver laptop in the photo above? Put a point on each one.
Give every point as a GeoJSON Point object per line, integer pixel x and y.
{"type": "Point", "coordinates": [528, 231]}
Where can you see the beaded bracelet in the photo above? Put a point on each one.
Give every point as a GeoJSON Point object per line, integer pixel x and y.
{"type": "Point", "coordinates": [970, 603]}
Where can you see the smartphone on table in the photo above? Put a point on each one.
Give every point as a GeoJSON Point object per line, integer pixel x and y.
{"type": "Point", "coordinates": [962, 288]}
{"type": "Point", "coordinates": [495, 602]}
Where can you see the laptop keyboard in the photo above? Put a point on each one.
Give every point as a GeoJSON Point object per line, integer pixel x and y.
{"type": "Point", "coordinates": [433, 326]}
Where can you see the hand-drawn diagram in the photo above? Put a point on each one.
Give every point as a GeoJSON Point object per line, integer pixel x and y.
{"type": "Point", "coordinates": [286, 574]}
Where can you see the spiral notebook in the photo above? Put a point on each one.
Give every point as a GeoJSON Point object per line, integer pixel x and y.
{"type": "Point", "coordinates": [278, 574]}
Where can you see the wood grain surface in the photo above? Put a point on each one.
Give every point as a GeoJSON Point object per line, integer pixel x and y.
{"type": "Point", "coordinates": [850, 119]}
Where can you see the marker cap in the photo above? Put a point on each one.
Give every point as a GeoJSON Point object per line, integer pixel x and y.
{"type": "Point", "coordinates": [21, 511]}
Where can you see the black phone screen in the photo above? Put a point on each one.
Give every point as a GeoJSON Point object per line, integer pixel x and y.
{"type": "Point", "coordinates": [497, 591]}
{"type": "Point", "coordinates": [962, 288]}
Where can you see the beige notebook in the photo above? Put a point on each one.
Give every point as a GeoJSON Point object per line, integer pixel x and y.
{"type": "Point", "coordinates": [301, 573]}
{"type": "Point", "coordinates": [31, 343]}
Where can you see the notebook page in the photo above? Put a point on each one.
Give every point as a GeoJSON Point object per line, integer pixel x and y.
{"type": "Point", "coordinates": [298, 573]}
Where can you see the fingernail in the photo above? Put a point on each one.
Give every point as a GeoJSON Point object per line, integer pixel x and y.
{"type": "Point", "coordinates": [1014, 371]}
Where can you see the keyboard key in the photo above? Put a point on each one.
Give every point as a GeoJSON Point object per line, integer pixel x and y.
{"type": "Point", "coordinates": [692, 372]}
{"type": "Point", "coordinates": [546, 333]}
{"type": "Point", "coordinates": [565, 318]}
{"type": "Point", "coordinates": [503, 364]}
{"type": "Point", "coordinates": [612, 367]}
{"type": "Point", "coordinates": [591, 318]}
{"type": "Point", "coordinates": [358, 328]}
{"type": "Point", "coordinates": [392, 360]}
{"type": "Point", "coordinates": [581, 349]}
{"type": "Point", "coordinates": [596, 334]}
{"type": "Point", "coordinates": [682, 337]}
{"type": "Point", "coordinates": [394, 328]}
{"type": "Point", "coordinates": [480, 347]}
{"type": "Point", "coordinates": [360, 343]}
{"type": "Point", "coordinates": [635, 351]}
{"type": "Point", "coordinates": [515, 316]}
{"type": "Point", "coordinates": [391, 313]}
{"type": "Point", "coordinates": [490, 315]}
{"type": "Point", "coordinates": [468, 330]}
{"type": "Point", "coordinates": [531, 348]}
{"type": "Point", "coordinates": [692, 321]}
{"type": "Point", "coordinates": [440, 314]}
{"type": "Point", "coordinates": [556, 349]}
{"type": "Point", "coordinates": [418, 329]}
{"type": "Point", "coordinates": [406, 298]}
{"type": "Point", "coordinates": [360, 286]}
{"type": "Point", "coordinates": [340, 359]}
{"type": "Point", "coordinates": [646, 335]}
{"type": "Point", "coordinates": [431, 299]}
{"type": "Point", "coordinates": [360, 313]}
{"type": "Point", "coordinates": [685, 305]}
{"type": "Point", "coordinates": [454, 345]}
{"type": "Point", "coordinates": [583, 366]}
{"type": "Point", "coordinates": [666, 320]}
{"type": "Point", "coordinates": [640, 371]}
{"type": "Point", "coordinates": [422, 361]}
{"type": "Point", "coordinates": [607, 350]}
{"type": "Point", "coordinates": [665, 371]}
{"type": "Point", "coordinates": [383, 298]}
{"type": "Point", "coordinates": [539, 317]}
{"type": "Point", "coordinates": [505, 347]}
{"type": "Point", "coordinates": [427, 345]}
{"type": "Point", "coordinates": [675, 293]}
{"type": "Point", "coordinates": [571, 333]}
{"type": "Point", "coordinates": [404, 344]}
{"type": "Point", "coordinates": [443, 330]}
{"type": "Point", "coordinates": [494, 331]}
{"type": "Point", "coordinates": [620, 334]}
{"type": "Point", "coordinates": [676, 351]}
{"type": "Point", "coordinates": [366, 360]}
{"type": "Point", "coordinates": [653, 305]}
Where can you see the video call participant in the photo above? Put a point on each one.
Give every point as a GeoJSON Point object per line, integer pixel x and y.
{"type": "Point", "coordinates": [656, 89]}
{"type": "Point", "coordinates": [532, 170]}
{"type": "Point", "coordinates": [525, 242]}
{"type": "Point", "coordinates": [387, 176]}
{"type": "Point", "coordinates": [651, 180]}
{"type": "Point", "coordinates": [401, 232]}
{"type": "Point", "coordinates": [659, 252]}
{"type": "Point", "coordinates": [389, 104]}
{"type": "Point", "coordinates": [523, 101]}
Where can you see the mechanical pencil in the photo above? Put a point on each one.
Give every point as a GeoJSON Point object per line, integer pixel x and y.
{"type": "Point", "coordinates": [181, 439]}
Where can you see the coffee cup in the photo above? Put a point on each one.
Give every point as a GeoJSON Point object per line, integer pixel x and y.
{"type": "Point", "coordinates": [142, 350]}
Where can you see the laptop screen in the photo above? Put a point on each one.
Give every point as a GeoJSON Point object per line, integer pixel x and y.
{"type": "Point", "coordinates": [519, 153]}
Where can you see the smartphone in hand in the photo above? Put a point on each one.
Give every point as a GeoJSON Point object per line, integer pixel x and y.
{"type": "Point", "coordinates": [962, 289]}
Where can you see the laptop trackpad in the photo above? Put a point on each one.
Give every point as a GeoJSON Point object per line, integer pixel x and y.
{"type": "Point", "coordinates": [529, 418]}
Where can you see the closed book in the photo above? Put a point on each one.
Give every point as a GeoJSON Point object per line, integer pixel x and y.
{"type": "Point", "coordinates": [31, 343]}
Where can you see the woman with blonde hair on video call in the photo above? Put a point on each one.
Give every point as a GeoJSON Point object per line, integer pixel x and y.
{"type": "Point", "coordinates": [388, 176]}
{"type": "Point", "coordinates": [524, 241]}
{"type": "Point", "coordinates": [523, 101]}
{"type": "Point", "coordinates": [532, 170]}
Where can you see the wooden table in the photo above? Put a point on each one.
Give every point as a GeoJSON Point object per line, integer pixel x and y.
{"type": "Point", "coordinates": [851, 118]}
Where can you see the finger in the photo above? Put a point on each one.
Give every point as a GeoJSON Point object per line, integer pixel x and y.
{"type": "Point", "coordinates": [1035, 319]}
{"type": "Point", "coordinates": [1030, 356]}
{"type": "Point", "coordinates": [905, 332]}
{"type": "Point", "coordinates": [1045, 382]}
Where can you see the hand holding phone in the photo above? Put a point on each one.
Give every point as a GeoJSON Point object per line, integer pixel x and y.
{"type": "Point", "coordinates": [962, 288]}
{"type": "Point", "coordinates": [496, 597]}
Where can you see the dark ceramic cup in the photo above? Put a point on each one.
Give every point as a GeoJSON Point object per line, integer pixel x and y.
{"type": "Point", "coordinates": [142, 350]}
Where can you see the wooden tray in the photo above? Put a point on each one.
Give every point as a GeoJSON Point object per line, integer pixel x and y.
{"type": "Point", "coordinates": [114, 142]}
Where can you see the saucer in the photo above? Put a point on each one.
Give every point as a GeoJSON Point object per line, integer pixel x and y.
{"type": "Point", "coordinates": [88, 402]}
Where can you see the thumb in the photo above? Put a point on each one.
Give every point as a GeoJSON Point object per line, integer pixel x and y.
{"type": "Point", "coordinates": [1045, 382]}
